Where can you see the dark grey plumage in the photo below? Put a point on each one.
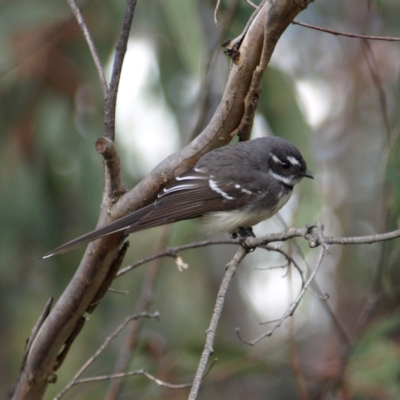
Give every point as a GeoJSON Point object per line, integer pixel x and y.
{"type": "Point", "coordinates": [234, 187]}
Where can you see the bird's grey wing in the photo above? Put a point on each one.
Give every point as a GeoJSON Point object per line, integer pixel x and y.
{"type": "Point", "coordinates": [190, 196]}
{"type": "Point", "coordinates": [165, 210]}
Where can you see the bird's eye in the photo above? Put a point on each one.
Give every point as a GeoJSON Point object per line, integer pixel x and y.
{"type": "Point", "coordinates": [285, 165]}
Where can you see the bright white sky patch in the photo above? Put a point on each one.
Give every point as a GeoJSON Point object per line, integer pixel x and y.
{"type": "Point", "coordinates": [146, 129]}
{"type": "Point", "coordinates": [270, 291]}
{"type": "Point", "coordinates": [315, 99]}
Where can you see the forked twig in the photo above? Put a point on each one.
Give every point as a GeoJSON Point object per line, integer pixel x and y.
{"type": "Point", "coordinates": [159, 382]}
{"type": "Point", "coordinates": [75, 380]}
{"type": "Point", "coordinates": [92, 48]}
{"type": "Point", "coordinates": [293, 306]}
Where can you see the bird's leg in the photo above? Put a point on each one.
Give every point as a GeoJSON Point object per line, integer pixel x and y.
{"type": "Point", "coordinates": [242, 234]}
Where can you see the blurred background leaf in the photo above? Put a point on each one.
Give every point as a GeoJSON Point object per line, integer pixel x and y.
{"type": "Point", "coordinates": [318, 93]}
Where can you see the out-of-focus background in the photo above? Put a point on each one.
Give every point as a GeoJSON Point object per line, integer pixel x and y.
{"type": "Point", "coordinates": [336, 98]}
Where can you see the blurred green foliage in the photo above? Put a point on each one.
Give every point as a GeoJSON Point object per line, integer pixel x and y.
{"type": "Point", "coordinates": [51, 187]}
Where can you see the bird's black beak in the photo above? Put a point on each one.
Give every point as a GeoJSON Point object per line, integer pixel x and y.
{"type": "Point", "coordinates": [308, 174]}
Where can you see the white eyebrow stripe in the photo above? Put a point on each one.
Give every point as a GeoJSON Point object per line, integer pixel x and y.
{"type": "Point", "coordinates": [287, 180]}
{"type": "Point", "coordinates": [276, 159]}
{"type": "Point", "coordinates": [214, 186]}
{"type": "Point", "coordinates": [293, 160]}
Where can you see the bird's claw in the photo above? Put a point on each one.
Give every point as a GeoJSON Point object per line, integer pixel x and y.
{"type": "Point", "coordinates": [242, 234]}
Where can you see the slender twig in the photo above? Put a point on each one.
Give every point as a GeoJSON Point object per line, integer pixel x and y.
{"type": "Point", "coordinates": [339, 328]}
{"type": "Point", "coordinates": [293, 306]}
{"type": "Point", "coordinates": [38, 325]}
{"type": "Point", "coordinates": [264, 240]}
{"type": "Point", "coordinates": [173, 251]}
{"type": "Point", "coordinates": [216, 18]}
{"type": "Point", "coordinates": [92, 48]}
{"type": "Point", "coordinates": [376, 286]}
{"type": "Point", "coordinates": [117, 291]}
{"type": "Point", "coordinates": [376, 79]}
{"type": "Point", "coordinates": [143, 305]}
{"type": "Point", "coordinates": [205, 91]}
{"type": "Point", "coordinates": [289, 258]}
{"type": "Point", "coordinates": [372, 298]}
{"type": "Point", "coordinates": [314, 242]}
{"type": "Point", "coordinates": [250, 3]}
{"type": "Point", "coordinates": [74, 381]}
{"type": "Point", "coordinates": [210, 333]}
{"type": "Point", "coordinates": [159, 382]}
{"type": "Point", "coordinates": [120, 51]}
{"type": "Point", "coordinates": [346, 34]}
{"type": "Point", "coordinates": [293, 350]}
{"type": "Point", "coordinates": [380, 237]}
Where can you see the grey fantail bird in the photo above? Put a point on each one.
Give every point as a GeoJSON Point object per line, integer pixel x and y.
{"type": "Point", "coordinates": [234, 187]}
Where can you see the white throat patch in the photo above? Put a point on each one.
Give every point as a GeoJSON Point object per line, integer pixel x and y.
{"type": "Point", "coordinates": [287, 180]}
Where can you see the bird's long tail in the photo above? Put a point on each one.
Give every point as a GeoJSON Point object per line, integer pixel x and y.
{"type": "Point", "coordinates": [122, 224]}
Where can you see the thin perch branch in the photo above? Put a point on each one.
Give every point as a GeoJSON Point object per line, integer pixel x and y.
{"type": "Point", "coordinates": [313, 239]}
{"type": "Point", "coordinates": [173, 252]}
{"type": "Point", "coordinates": [265, 240]}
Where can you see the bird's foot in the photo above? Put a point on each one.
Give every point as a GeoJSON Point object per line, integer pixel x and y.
{"type": "Point", "coordinates": [242, 234]}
